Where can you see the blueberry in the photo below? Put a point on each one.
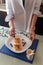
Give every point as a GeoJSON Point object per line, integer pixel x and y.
{"type": "Point", "coordinates": [11, 45]}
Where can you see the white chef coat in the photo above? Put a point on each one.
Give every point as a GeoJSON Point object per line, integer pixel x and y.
{"type": "Point", "coordinates": [22, 16]}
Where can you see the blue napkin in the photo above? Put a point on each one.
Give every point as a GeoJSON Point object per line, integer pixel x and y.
{"type": "Point", "coordinates": [21, 56]}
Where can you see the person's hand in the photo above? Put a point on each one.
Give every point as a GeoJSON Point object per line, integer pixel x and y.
{"type": "Point", "coordinates": [32, 35]}
{"type": "Point", "coordinates": [11, 31]}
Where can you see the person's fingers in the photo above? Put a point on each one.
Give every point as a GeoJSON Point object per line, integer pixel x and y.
{"type": "Point", "coordinates": [11, 33]}
{"type": "Point", "coordinates": [32, 36]}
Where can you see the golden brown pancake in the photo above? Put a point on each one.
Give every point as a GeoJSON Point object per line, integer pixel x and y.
{"type": "Point", "coordinates": [17, 43]}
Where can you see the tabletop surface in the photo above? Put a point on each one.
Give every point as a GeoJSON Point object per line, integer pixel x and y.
{"type": "Point", "coordinates": [8, 60]}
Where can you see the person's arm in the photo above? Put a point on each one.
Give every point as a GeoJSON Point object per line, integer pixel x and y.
{"type": "Point", "coordinates": [10, 18]}
{"type": "Point", "coordinates": [36, 13]}
{"type": "Point", "coordinates": [11, 22]}
{"type": "Point", "coordinates": [34, 19]}
{"type": "Point", "coordinates": [11, 28]}
{"type": "Point", "coordinates": [32, 28]}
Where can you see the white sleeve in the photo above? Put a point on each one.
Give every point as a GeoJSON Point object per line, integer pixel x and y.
{"type": "Point", "coordinates": [37, 7]}
{"type": "Point", "coordinates": [9, 10]}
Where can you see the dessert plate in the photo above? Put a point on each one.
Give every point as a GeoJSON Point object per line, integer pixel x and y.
{"type": "Point", "coordinates": [26, 43]}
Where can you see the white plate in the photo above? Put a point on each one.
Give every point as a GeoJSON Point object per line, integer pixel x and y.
{"type": "Point", "coordinates": [9, 41]}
